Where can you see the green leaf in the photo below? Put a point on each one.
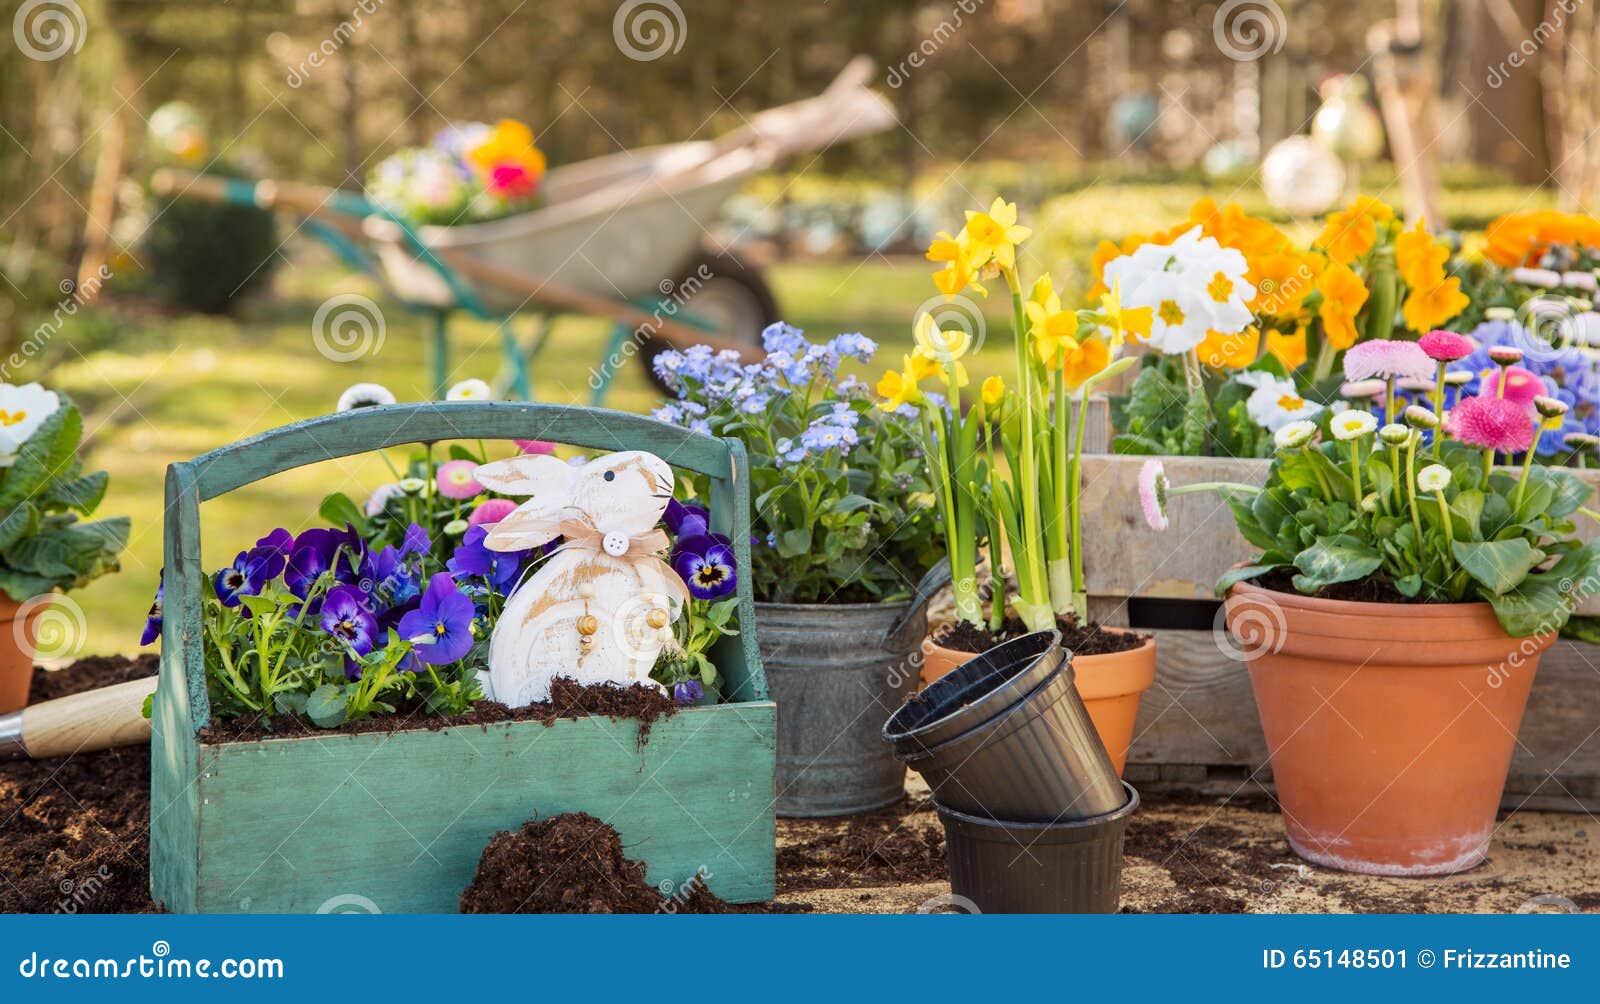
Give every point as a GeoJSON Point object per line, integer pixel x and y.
{"type": "Point", "coordinates": [1499, 565]}
{"type": "Point", "coordinates": [850, 503]}
{"type": "Point", "coordinates": [794, 543]}
{"type": "Point", "coordinates": [326, 706]}
{"type": "Point", "coordinates": [83, 495]}
{"type": "Point", "coordinates": [1467, 508]}
{"type": "Point", "coordinates": [1568, 491]}
{"type": "Point", "coordinates": [289, 702]}
{"type": "Point", "coordinates": [46, 455]}
{"type": "Point", "coordinates": [1234, 576]}
{"type": "Point", "coordinates": [18, 523]}
{"type": "Point", "coordinates": [1544, 601]}
{"type": "Point", "coordinates": [338, 509]}
{"type": "Point", "coordinates": [1343, 558]}
{"type": "Point", "coordinates": [148, 709]}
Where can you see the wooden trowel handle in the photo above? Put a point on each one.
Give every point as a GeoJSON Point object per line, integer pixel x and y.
{"type": "Point", "coordinates": [81, 723]}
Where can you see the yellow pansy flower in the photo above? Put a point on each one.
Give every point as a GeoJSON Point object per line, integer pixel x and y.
{"type": "Point", "coordinates": [994, 236]}
{"type": "Point", "coordinates": [1372, 206]}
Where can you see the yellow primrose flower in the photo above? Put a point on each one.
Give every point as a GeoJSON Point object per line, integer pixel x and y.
{"type": "Point", "coordinates": [1347, 235]}
{"type": "Point", "coordinates": [1418, 259]}
{"type": "Point", "coordinates": [1371, 206]}
{"type": "Point", "coordinates": [1084, 360]}
{"type": "Point", "coordinates": [1288, 347]}
{"type": "Point", "coordinates": [1230, 351]}
{"type": "Point", "coordinates": [898, 389]}
{"type": "Point", "coordinates": [1343, 295]}
{"type": "Point", "coordinates": [1429, 307]}
{"type": "Point", "coordinates": [994, 391]}
{"type": "Point", "coordinates": [994, 236]}
{"type": "Point", "coordinates": [1122, 320]}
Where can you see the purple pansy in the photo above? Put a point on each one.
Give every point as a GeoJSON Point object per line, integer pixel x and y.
{"type": "Point", "coordinates": [152, 622]}
{"type": "Point", "coordinates": [473, 560]}
{"type": "Point", "coordinates": [251, 571]}
{"type": "Point", "coordinates": [685, 519]}
{"type": "Point", "coordinates": [687, 692]}
{"type": "Point", "coordinates": [345, 616]}
{"type": "Point", "coordinates": [706, 564]}
{"type": "Point", "coordinates": [441, 626]}
{"type": "Point", "coordinates": [416, 541]}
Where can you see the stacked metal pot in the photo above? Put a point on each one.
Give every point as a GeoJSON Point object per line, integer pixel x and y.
{"type": "Point", "coordinates": [1033, 811]}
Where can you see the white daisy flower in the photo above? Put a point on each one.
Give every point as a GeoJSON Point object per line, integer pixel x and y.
{"type": "Point", "coordinates": [1353, 424]}
{"type": "Point", "coordinates": [470, 390]}
{"type": "Point", "coordinates": [364, 395]}
{"type": "Point", "coordinates": [1295, 435]}
{"type": "Point", "coordinates": [380, 497]}
{"type": "Point", "coordinates": [1433, 478]}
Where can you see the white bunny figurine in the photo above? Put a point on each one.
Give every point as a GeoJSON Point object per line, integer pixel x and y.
{"type": "Point", "coordinates": [599, 609]}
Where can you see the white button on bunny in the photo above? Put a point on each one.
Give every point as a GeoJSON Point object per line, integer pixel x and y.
{"type": "Point", "coordinates": [599, 609]}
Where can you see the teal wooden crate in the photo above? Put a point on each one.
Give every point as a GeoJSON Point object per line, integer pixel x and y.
{"type": "Point", "coordinates": [397, 821]}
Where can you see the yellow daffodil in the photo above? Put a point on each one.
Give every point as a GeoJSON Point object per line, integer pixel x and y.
{"type": "Point", "coordinates": [959, 272]}
{"type": "Point", "coordinates": [1431, 306]}
{"type": "Point", "coordinates": [1343, 295]}
{"type": "Point", "coordinates": [994, 236]}
{"type": "Point", "coordinates": [1347, 235]}
{"type": "Point", "coordinates": [899, 388]}
{"type": "Point", "coordinates": [1288, 347]}
{"type": "Point", "coordinates": [1230, 351]}
{"type": "Point", "coordinates": [1122, 321]}
{"type": "Point", "coordinates": [994, 391]}
{"type": "Point", "coordinates": [1054, 331]}
{"type": "Point", "coordinates": [921, 365]}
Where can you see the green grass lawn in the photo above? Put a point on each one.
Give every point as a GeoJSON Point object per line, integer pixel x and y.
{"type": "Point", "coordinates": [159, 389]}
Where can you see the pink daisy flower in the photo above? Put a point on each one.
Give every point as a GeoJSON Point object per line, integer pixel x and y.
{"type": "Point", "coordinates": [535, 446]}
{"type": "Point", "coordinates": [1492, 423]}
{"type": "Point", "coordinates": [455, 480]}
{"type": "Point", "coordinates": [491, 511]}
{"type": "Point", "coordinates": [1383, 359]}
{"type": "Point", "coordinates": [1445, 346]}
{"type": "Point", "coordinates": [1522, 386]}
{"type": "Point", "coordinates": [1153, 485]}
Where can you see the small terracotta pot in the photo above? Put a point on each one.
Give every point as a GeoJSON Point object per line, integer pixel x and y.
{"type": "Point", "coordinates": [16, 656]}
{"type": "Point", "coordinates": [1391, 726]}
{"type": "Point", "coordinates": [1110, 686]}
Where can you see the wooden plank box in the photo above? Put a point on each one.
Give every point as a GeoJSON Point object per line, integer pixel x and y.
{"type": "Point", "coordinates": [1197, 727]}
{"type": "Point", "coordinates": [397, 821]}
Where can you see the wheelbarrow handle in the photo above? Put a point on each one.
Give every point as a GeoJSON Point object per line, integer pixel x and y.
{"type": "Point", "coordinates": [78, 723]}
{"type": "Point", "coordinates": [308, 200]}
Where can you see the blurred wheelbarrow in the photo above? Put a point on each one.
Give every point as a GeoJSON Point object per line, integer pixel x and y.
{"type": "Point", "coordinates": [621, 237]}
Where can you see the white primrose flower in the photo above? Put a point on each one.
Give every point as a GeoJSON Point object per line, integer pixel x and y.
{"type": "Point", "coordinates": [22, 410]}
{"type": "Point", "coordinates": [1433, 478]}
{"type": "Point", "coordinates": [1193, 286]}
{"type": "Point", "coordinates": [470, 390]}
{"type": "Point", "coordinates": [1275, 402]}
{"type": "Point", "coordinates": [1353, 424]}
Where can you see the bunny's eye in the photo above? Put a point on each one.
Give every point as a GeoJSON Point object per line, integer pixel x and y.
{"type": "Point", "coordinates": [611, 475]}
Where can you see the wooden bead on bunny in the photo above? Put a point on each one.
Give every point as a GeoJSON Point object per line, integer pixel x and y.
{"type": "Point", "coordinates": [598, 610]}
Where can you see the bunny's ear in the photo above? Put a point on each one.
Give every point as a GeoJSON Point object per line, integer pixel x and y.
{"type": "Point", "coordinates": [525, 475]}
{"type": "Point", "coordinates": [524, 528]}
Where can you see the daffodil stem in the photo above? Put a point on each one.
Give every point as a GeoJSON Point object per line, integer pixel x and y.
{"type": "Point", "coordinates": [1035, 592]}
{"type": "Point", "coordinates": [1080, 598]}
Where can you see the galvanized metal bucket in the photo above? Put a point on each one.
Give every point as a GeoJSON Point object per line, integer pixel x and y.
{"type": "Point", "coordinates": [836, 671]}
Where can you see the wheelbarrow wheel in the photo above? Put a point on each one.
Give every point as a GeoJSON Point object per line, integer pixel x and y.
{"type": "Point", "coordinates": [724, 291]}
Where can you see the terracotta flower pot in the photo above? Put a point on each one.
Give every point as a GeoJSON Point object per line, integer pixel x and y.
{"type": "Point", "coordinates": [16, 655]}
{"type": "Point", "coordinates": [1390, 726]}
{"type": "Point", "coordinates": [1110, 686]}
